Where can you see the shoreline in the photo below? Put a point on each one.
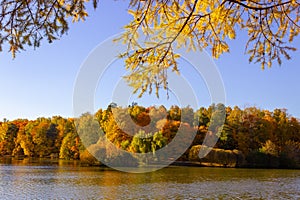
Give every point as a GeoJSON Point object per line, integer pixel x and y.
{"type": "Point", "coordinates": [78, 163]}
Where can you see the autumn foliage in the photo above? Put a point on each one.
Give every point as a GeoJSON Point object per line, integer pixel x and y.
{"type": "Point", "coordinates": [265, 138]}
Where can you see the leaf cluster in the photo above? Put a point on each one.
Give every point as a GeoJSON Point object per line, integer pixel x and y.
{"type": "Point", "coordinates": [208, 24]}
{"type": "Point", "coordinates": [27, 22]}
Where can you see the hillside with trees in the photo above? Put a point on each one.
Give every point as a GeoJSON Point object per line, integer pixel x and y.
{"type": "Point", "coordinates": [255, 137]}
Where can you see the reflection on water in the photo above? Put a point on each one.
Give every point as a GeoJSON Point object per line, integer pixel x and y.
{"type": "Point", "coordinates": [67, 180]}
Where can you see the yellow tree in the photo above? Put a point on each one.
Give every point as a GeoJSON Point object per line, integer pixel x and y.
{"type": "Point", "coordinates": [167, 25]}
{"type": "Point", "coordinates": [207, 24]}
{"type": "Point", "coordinates": [27, 22]}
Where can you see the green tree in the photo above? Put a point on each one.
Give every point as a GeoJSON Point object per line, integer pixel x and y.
{"type": "Point", "coordinates": [70, 147]}
{"type": "Point", "coordinates": [88, 129]}
{"type": "Point", "coordinates": [217, 118]}
{"type": "Point", "coordinates": [229, 135]}
{"type": "Point", "coordinates": [141, 142]}
{"type": "Point", "coordinates": [147, 142]}
{"type": "Point", "coordinates": [202, 116]}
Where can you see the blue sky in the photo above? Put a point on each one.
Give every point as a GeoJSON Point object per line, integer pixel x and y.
{"type": "Point", "coordinates": [41, 82]}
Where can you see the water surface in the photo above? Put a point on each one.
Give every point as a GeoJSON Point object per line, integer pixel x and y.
{"type": "Point", "coordinates": [61, 180]}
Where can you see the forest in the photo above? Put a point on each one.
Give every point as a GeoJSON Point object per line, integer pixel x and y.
{"type": "Point", "coordinates": [249, 137]}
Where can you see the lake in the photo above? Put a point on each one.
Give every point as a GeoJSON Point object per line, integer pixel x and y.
{"type": "Point", "coordinates": [68, 180]}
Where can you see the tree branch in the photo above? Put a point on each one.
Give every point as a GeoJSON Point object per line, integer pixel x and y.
{"type": "Point", "coordinates": [258, 8]}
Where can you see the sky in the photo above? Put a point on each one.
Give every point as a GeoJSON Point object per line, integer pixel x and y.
{"type": "Point", "coordinates": [40, 83]}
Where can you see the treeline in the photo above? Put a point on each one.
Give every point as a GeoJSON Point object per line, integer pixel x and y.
{"type": "Point", "coordinates": [43, 137]}
{"type": "Point", "coordinates": [264, 138]}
